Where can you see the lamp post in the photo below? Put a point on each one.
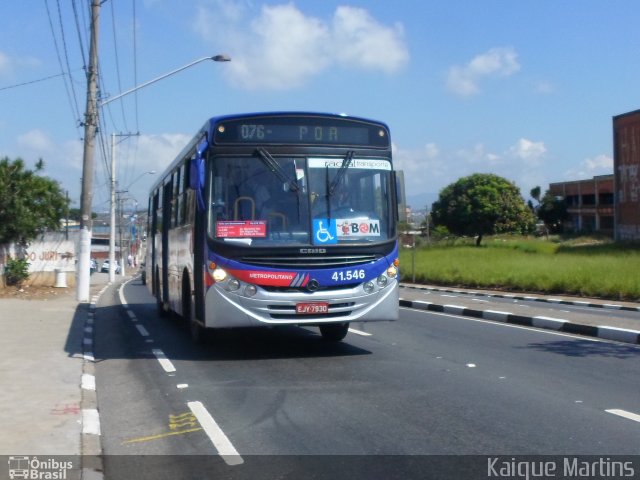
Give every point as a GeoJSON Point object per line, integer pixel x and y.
{"type": "Point", "coordinates": [91, 122]}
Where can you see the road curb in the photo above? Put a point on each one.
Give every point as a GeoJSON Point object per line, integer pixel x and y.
{"type": "Point", "coordinates": [549, 323]}
{"type": "Point", "coordinates": [530, 298]}
{"type": "Point", "coordinates": [90, 444]}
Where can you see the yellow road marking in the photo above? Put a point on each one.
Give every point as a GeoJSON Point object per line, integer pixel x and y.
{"type": "Point", "coordinates": [161, 435]}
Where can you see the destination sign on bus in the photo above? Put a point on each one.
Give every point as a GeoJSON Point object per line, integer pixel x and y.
{"type": "Point", "coordinates": [309, 131]}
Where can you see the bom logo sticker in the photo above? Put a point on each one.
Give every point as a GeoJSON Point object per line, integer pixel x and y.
{"type": "Point", "coordinates": [358, 228]}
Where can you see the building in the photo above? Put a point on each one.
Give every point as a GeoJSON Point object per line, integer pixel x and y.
{"type": "Point", "coordinates": [590, 204]}
{"type": "Point", "coordinates": [626, 167]}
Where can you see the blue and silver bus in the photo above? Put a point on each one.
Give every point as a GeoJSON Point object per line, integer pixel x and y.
{"type": "Point", "coordinates": [272, 219]}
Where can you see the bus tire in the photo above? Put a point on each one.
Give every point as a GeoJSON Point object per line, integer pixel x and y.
{"type": "Point", "coordinates": [198, 332]}
{"type": "Point", "coordinates": [334, 332]}
{"type": "Point", "coordinates": [162, 312]}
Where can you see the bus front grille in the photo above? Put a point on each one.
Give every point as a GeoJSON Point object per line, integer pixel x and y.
{"type": "Point", "coordinates": [309, 262]}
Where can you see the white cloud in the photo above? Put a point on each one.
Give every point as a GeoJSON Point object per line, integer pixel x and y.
{"type": "Point", "coordinates": [430, 169]}
{"type": "Point", "coordinates": [5, 64]}
{"type": "Point", "coordinates": [544, 87]}
{"type": "Point", "coordinates": [283, 48]}
{"type": "Point", "coordinates": [531, 153]}
{"type": "Point", "coordinates": [496, 62]}
{"type": "Point", "coordinates": [9, 64]}
{"type": "Point", "coordinates": [360, 40]}
{"type": "Point", "coordinates": [36, 141]}
{"type": "Point", "coordinates": [591, 167]}
{"type": "Point", "coordinates": [478, 155]}
{"type": "Point", "coordinates": [147, 153]}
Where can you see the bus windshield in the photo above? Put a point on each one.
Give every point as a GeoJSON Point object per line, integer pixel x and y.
{"type": "Point", "coordinates": [262, 200]}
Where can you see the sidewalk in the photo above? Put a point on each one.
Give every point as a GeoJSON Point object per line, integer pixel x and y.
{"type": "Point", "coordinates": [595, 320]}
{"type": "Point", "coordinates": [41, 370]}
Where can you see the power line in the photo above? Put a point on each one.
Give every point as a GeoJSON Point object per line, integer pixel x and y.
{"type": "Point", "coordinates": [117, 58]}
{"type": "Point", "coordinates": [76, 114]}
{"type": "Point", "coordinates": [8, 87]}
{"type": "Point", "coordinates": [135, 62]}
{"type": "Point", "coordinates": [66, 57]}
{"type": "Point", "coordinates": [79, 31]}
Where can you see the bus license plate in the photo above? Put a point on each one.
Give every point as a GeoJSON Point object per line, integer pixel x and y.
{"type": "Point", "coordinates": [312, 308]}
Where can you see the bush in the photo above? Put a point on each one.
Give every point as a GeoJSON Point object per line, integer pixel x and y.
{"type": "Point", "coordinates": [16, 271]}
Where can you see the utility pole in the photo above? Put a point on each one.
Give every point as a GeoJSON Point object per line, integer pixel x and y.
{"type": "Point", "coordinates": [112, 228]}
{"type": "Point", "coordinates": [90, 126]}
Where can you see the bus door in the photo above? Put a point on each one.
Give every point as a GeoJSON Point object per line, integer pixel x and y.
{"type": "Point", "coordinates": [151, 238]}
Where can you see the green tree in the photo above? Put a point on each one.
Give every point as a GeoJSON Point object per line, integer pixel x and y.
{"type": "Point", "coordinates": [482, 204]}
{"type": "Point", "coordinates": [553, 212]}
{"type": "Point", "coordinates": [29, 202]}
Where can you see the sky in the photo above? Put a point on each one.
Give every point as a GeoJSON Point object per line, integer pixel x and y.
{"type": "Point", "coordinates": [525, 89]}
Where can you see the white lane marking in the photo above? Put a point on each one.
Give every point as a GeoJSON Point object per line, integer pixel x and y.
{"type": "Point", "coordinates": [479, 300]}
{"type": "Point", "coordinates": [88, 356]}
{"type": "Point", "coordinates": [471, 365]}
{"type": "Point", "coordinates": [182, 385]}
{"type": "Point", "coordinates": [358, 332]}
{"type": "Point", "coordinates": [143, 331]}
{"type": "Point", "coordinates": [623, 413]}
{"type": "Point", "coordinates": [223, 445]}
{"type": "Point", "coordinates": [132, 315]}
{"type": "Point", "coordinates": [90, 421]}
{"type": "Point", "coordinates": [123, 301]}
{"type": "Point", "coordinates": [88, 382]}
{"type": "Point", "coordinates": [450, 296]}
{"type": "Point", "coordinates": [164, 361]}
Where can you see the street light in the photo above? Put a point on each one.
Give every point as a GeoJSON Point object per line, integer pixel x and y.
{"type": "Point", "coordinates": [91, 122]}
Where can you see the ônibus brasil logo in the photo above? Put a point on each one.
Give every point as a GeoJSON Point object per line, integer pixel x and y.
{"type": "Point", "coordinates": [38, 469]}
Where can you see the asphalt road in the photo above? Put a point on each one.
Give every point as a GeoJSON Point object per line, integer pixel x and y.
{"type": "Point", "coordinates": [281, 401]}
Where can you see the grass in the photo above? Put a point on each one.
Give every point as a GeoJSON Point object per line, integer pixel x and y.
{"type": "Point", "coordinates": [579, 266]}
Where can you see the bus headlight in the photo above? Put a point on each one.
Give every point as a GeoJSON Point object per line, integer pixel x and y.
{"type": "Point", "coordinates": [368, 287]}
{"type": "Point", "coordinates": [219, 275]}
{"type": "Point", "coordinates": [250, 290]}
{"type": "Point", "coordinates": [392, 272]}
{"type": "Point", "coordinates": [382, 281]}
{"type": "Point", "coordinates": [233, 284]}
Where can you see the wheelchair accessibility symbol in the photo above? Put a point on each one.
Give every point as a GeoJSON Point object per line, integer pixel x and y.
{"type": "Point", "coordinates": [324, 232]}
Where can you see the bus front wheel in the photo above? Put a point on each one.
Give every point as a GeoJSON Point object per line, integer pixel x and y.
{"type": "Point", "coordinates": [198, 332]}
{"type": "Point", "coordinates": [334, 332]}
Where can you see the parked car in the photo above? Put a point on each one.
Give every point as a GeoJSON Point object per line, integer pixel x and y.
{"type": "Point", "coordinates": [105, 267]}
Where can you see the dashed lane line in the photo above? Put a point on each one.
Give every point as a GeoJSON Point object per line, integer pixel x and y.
{"type": "Point", "coordinates": [165, 363]}
{"type": "Point", "coordinates": [223, 445]}
{"type": "Point", "coordinates": [623, 413]}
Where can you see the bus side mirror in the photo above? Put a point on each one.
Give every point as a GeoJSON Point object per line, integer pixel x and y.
{"type": "Point", "coordinates": [196, 173]}
{"type": "Point", "coordinates": [196, 167]}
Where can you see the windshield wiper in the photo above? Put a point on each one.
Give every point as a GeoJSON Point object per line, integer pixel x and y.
{"type": "Point", "coordinates": [276, 169]}
{"type": "Point", "coordinates": [331, 187]}
{"type": "Point", "coordinates": [343, 169]}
